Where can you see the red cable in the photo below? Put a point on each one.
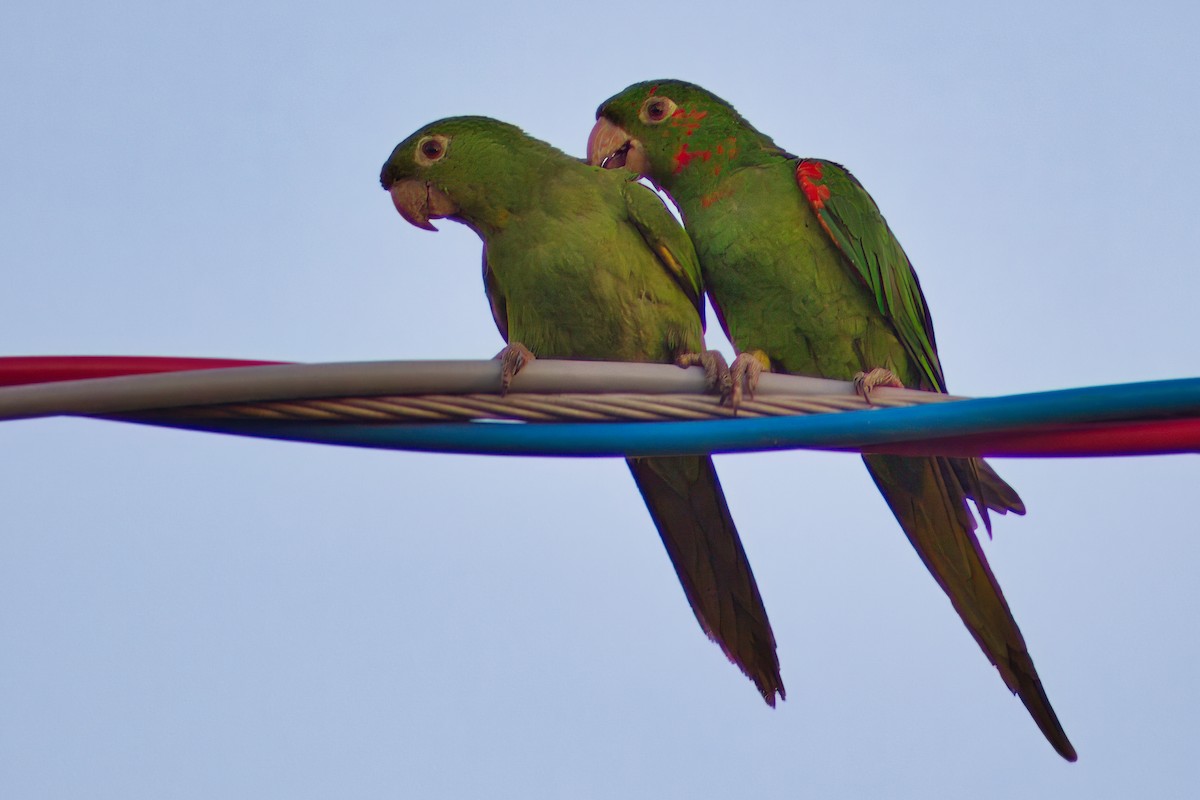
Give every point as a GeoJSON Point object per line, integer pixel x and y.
{"type": "Point", "coordinates": [16, 371]}
{"type": "Point", "coordinates": [1156, 437]}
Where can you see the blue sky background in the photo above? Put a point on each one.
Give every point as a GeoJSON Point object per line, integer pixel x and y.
{"type": "Point", "coordinates": [186, 615]}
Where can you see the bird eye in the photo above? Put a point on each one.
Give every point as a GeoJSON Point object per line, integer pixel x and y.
{"type": "Point", "coordinates": [430, 149]}
{"type": "Point", "coordinates": [656, 109]}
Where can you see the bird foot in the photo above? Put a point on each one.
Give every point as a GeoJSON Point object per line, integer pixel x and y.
{"type": "Point", "coordinates": [716, 371]}
{"type": "Point", "coordinates": [744, 373]}
{"type": "Point", "coordinates": [513, 359]}
{"type": "Point", "coordinates": [864, 382]}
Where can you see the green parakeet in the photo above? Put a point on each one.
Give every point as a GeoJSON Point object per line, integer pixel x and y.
{"type": "Point", "coordinates": [807, 278]}
{"type": "Point", "coordinates": [583, 263]}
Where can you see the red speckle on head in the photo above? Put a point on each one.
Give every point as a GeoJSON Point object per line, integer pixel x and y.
{"type": "Point", "coordinates": [807, 173]}
{"type": "Point", "coordinates": [688, 120]}
{"type": "Point", "coordinates": [720, 149]}
{"type": "Point", "coordinates": [716, 196]}
{"type": "Point", "coordinates": [684, 157]}
{"type": "Point", "coordinates": [653, 89]}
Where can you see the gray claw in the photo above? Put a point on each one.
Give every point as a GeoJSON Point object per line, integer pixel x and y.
{"type": "Point", "coordinates": [716, 370]}
{"type": "Point", "coordinates": [865, 382]}
{"type": "Point", "coordinates": [744, 373]}
{"type": "Point", "coordinates": [513, 359]}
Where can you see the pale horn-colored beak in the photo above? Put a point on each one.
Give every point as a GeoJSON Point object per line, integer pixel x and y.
{"type": "Point", "coordinates": [418, 202]}
{"type": "Point", "coordinates": [609, 146]}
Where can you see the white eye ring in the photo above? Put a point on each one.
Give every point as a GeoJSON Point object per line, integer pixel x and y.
{"type": "Point", "coordinates": [431, 149]}
{"type": "Point", "coordinates": [656, 109]}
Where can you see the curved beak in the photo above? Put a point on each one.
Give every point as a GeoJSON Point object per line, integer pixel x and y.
{"type": "Point", "coordinates": [418, 202]}
{"type": "Point", "coordinates": [609, 146]}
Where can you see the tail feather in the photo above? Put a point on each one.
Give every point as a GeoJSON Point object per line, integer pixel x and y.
{"type": "Point", "coordinates": [689, 509]}
{"type": "Point", "coordinates": [928, 498]}
{"type": "Point", "coordinates": [993, 492]}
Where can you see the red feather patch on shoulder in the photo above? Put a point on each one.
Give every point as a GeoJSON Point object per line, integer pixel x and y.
{"type": "Point", "coordinates": [807, 174]}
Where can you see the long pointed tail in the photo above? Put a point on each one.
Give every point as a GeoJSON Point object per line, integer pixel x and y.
{"type": "Point", "coordinates": [692, 517]}
{"type": "Point", "coordinates": [929, 502]}
{"type": "Point", "coordinates": [988, 490]}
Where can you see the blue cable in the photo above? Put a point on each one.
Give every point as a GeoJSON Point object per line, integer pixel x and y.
{"type": "Point", "coordinates": [838, 431]}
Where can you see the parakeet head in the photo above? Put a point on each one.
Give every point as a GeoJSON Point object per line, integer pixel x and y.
{"type": "Point", "coordinates": [672, 131]}
{"type": "Point", "coordinates": [470, 169]}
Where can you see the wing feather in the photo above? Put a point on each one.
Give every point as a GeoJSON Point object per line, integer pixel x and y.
{"type": "Point", "coordinates": [666, 239]}
{"type": "Point", "coordinates": [851, 218]}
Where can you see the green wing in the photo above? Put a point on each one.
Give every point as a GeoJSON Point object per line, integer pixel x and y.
{"type": "Point", "coordinates": [667, 239]}
{"type": "Point", "coordinates": [495, 299]}
{"type": "Point", "coordinates": [853, 221]}
{"type": "Point", "coordinates": [662, 234]}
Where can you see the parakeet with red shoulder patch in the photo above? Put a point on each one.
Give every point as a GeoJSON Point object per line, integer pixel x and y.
{"type": "Point", "coordinates": [807, 278]}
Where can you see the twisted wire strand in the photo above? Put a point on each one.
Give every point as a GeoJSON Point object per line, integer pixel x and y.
{"type": "Point", "coordinates": [534, 408]}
